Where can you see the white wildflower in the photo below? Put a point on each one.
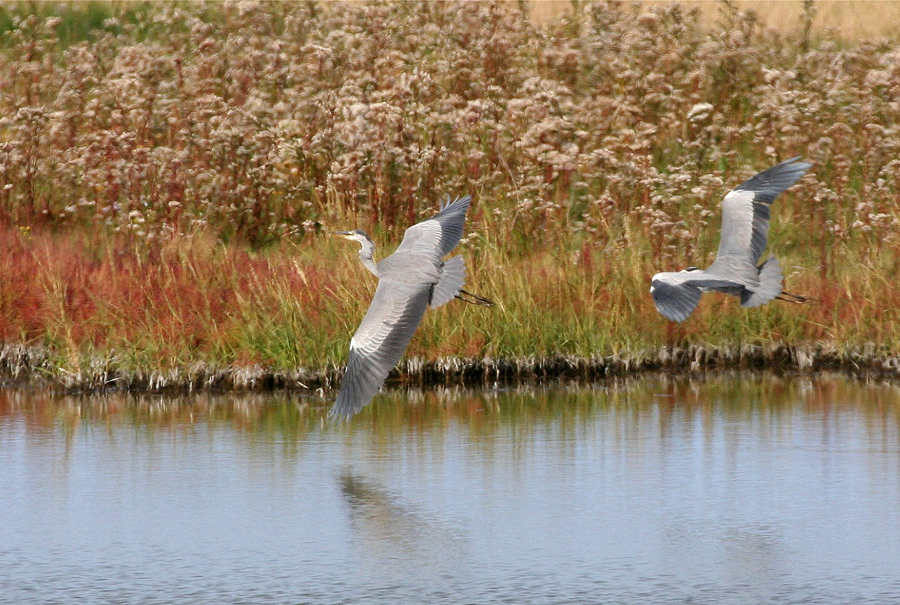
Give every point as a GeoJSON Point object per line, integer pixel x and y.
{"type": "Point", "coordinates": [699, 112]}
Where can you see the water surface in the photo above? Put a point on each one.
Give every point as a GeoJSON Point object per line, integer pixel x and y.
{"type": "Point", "coordinates": [728, 489]}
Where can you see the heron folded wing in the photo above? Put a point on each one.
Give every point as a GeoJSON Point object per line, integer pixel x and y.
{"type": "Point", "coordinates": [380, 342]}
{"type": "Point", "coordinates": [453, 278]}
{"type": "Point", "coordinates": [675, 301]}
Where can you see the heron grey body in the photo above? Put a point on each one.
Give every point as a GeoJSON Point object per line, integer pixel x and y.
{"type": "Point", "coordinates": [410, 280]}
{"type": "Point", "coordinates": [746, 210]}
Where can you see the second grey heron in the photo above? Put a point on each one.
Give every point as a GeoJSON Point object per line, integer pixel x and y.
{"type": "Point", "coordinates": [410, 280]}
{"type": "Point", "coordinates": [745, 228]}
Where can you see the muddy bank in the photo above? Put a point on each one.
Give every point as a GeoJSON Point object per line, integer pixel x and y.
{"type": "Point", "coordinates": [30, 367]}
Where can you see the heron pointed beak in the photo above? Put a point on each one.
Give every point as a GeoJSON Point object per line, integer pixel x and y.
{"type": "Point", "coordinates": [346, 235]}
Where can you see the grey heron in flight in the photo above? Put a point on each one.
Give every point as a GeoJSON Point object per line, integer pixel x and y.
{"type": "Point", "coordinates": [745, 228]}
{"type": "Point", "coordinates": [410, 280]}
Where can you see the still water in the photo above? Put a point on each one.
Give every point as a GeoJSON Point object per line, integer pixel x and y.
{"type": "Point", "coordinates": [743, 488]}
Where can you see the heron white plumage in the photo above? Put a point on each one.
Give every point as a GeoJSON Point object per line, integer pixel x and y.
{"type": "Point", "coordinates": [745, 227]}
{"type": "Point", "coordinates": [410, 280]}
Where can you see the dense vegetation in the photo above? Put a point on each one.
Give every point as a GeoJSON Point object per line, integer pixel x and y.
{"type": "Point", "coordinates": [169, 174]}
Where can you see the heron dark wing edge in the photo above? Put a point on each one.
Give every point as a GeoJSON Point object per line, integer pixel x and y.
{"type": "Point", "coordinates": [675, 302]}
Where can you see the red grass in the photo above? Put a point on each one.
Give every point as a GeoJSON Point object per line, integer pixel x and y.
{"type": "Point", "coordinates": [180, 295]}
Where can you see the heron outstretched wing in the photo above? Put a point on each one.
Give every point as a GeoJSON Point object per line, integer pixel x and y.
{"type": "Point", "coordinates": [676, 294]}
{"type": "Point", "coordinates": [675, 301]}
{"type": "Point", "coordinates": [746, 209]}
{"type": "Point", "coordinates": [441, 233]}
{"type": "Point", "coordinates": [379, 342]}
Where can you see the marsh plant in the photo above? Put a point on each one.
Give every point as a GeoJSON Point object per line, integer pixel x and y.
{"type": "Point", "coordinates": [168, 172]}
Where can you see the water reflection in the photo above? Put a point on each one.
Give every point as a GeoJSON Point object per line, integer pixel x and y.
{"type": "Point", "coordinates": [392, 536]}
{"type": "Point", "coordinates": [732, 396]}
{"type": "Point", "coordinates": [728, 488]}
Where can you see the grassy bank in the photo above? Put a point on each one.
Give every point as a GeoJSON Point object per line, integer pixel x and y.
{"type": "Point", "coordinates": [38, 367]}
{"type": "Point", "coordinates": [168, 176]}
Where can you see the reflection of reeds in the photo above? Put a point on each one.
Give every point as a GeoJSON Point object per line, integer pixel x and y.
{"type": "Point", "coordinates": [739, 394]}
{"type": "Point", "coordinates": [166, 176]}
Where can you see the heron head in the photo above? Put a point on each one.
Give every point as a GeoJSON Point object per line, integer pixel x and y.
{"type": "Point", "coordinates": [357, 235]}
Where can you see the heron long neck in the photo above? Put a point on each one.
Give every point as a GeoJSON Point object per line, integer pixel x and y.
{"type": "Point", "coordinates": [365, 255]}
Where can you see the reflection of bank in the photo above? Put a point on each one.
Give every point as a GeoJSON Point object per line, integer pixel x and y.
{"type": "Point", "coordinates": [398, 542]}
